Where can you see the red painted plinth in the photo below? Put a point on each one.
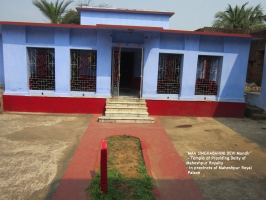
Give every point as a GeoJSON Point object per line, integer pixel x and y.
{"type": "Point", "coordinates": [97, 106]}
{"type": "Point", "coordinates": [196, 108]}
{"type": "Point", "coordinates": [104, 167]}
{"type": "Point", "coordinates": [54, 104]}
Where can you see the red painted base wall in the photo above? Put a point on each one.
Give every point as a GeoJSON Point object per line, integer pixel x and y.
{"type": "Point", "coordinates": [196, 108]}
{"type": "Point", "coordinates": [97, 106]}
{"type": "Point", "coordinates": [54, 104]}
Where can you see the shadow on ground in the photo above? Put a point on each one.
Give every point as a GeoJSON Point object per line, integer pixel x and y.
{"type": "Point", "coordinates": [199, 134]}
{"type": "Point", "coordinates": [253, 130]}
{"type": "Point", "coordinates": [213, 186]}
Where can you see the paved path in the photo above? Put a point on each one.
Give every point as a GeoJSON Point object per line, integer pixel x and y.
{"type": "Point", "coordinates": [161, 158]}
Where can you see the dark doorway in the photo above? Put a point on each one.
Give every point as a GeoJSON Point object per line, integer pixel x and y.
{"type": "Point", "coordinates": [127, 62]}
{"type": "Point", "coordinates": [126, 69]}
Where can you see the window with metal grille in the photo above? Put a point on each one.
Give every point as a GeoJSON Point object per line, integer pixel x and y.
{"type": "Point", "coordinates": [207, 75]}
{"type": "Point", "coordinates": [42, 69]}
{"type": "Point", "coordinates": [83, 70]}
{"type": "Point", "coordinates": [169, 73]}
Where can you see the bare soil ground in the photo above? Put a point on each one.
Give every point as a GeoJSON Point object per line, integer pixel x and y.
{"type": "Point", "coordinates": [124, 154]}
{"type": "Point", "coordinates": [35, 151]}
{"type": "Point", "coordinates": [127, 175]}
{"type": "Point", "coordinates": [194, 134]}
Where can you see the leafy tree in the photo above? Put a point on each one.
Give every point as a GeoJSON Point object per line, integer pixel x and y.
{"type": "Point", "coordinates": [85, 3]}
{"type": "Point", "coordinates": [240, 17]}
{"type": "Point", "coordinates": [90, 3]}
{"type": "Point", "coordinates": [71, 17]}
{"type": "Point", "coordinates": [53, 11]}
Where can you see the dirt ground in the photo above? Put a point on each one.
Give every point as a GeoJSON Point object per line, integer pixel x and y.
{"type": "Point", "coordinates": [124, 154]}
{"type": "Point", "coordinates": [194, 138]}
{"type": "Point", "coordinates": [35, 151]}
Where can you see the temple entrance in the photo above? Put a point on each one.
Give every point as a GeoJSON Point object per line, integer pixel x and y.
{"type": "Point", "coordinates": [127, 72]}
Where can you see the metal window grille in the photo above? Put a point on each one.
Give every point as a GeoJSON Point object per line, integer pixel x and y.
{"type": "Point", "coordinates": [169, 73]}
{"type": "Point", "coordinates": [42, 69]}
{"type": "Point", "coordinates": [207, 73]}
{"type": "Point", "coordinates": [83, 70]}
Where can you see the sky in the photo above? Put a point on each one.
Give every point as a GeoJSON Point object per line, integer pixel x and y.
{"type": "Point", "coordinates": [189, 14]}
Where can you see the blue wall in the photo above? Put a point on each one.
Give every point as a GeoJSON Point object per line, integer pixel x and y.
{"type": "Point", "coordinates": [231, 77]}
{"type": "Point", "coordinates": [2, 77]}
{"type": "Point", "coordinates": [62, 60]}
{"type": "Point", "coordinates": [15, 59]}
{"type": "Point", "coordinates": [151, 58]}
{"type": "Point", "coordinates": [211, 43]}
{"type": "Point", "coordinates": [234, 69]}
{"type": "Point", "coordinates": [83, 37]}
{"type": "Point", "coordinates": [104, 52]}
{"type": "Point", "coordinates": [233, 51]}
{"type": "Point", "coordinates": [133, 19]}
{"type": "Point", "coordinates": [16, 40]}
{"type": "Point", "coordinates": [40, 35]}
{"type": "Point", "coordinates": [259, 99]}
{"type": "Point", "coordinates": [127, 37]}
{"type": "Point", "coordinates": [172, 41]}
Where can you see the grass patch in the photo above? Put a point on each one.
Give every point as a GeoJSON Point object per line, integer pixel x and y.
{"type": "Point", "coordinates": [127, 174]}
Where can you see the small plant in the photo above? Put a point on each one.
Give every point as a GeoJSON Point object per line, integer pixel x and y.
{"type": "Point", "coordinates": [120, 186]}
{"type": "Point", "coordinates": [142, 168]}
{"type": "Point", "coordinates": [126, 136]}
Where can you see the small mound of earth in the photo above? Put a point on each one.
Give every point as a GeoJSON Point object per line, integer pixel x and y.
{"type": "Point", "coordinates": [124, 154]}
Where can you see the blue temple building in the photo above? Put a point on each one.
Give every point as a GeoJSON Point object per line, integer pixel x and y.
{"type": "Point", "coordinates": [116, 52]}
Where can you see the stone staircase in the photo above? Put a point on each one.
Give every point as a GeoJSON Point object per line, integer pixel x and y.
{"type": "Point", "coordinates": [126, 110]}
{"type": "Point", "coordinates": [255, 112]}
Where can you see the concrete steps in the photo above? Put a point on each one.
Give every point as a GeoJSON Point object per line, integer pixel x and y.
{"type": "Point", "coordinates": [259, 116]}
{"type": "Point", "coordinates": [140, 120]}
{"type": "Point", "coordinates": [255, 113]}
{"type": "Point", "coordinates": [126, 110]}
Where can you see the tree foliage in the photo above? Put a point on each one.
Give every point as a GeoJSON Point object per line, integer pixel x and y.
{"type": "Point", "coordinates": [85, 3]}
{"type": "Point", "coordinates": [240, 17]}
{"type": "Point", "coordinates": [71, 17]}
{"type": "Point", "coordinates": [53, 11]}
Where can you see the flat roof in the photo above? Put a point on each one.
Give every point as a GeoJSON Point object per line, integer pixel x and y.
{"type": "Point", "coordinates": [125, 27]}
{"type": "Point", "coordinates": [124, 10]}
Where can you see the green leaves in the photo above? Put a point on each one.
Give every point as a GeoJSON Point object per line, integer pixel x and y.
{"type": "Point", "coordinates": [240, 17]}
{"type": "Point", "coordinates": [53, 11]}
{"type": "Point", "coordinates": [71, 17]}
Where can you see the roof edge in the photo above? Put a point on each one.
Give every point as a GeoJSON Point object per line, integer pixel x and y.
{"type": "Point", "coordinates": [148, 28]}
{"type": "Point", "coordinates": [207, 33]}
{"type": "Point", "coordinates": [123, 10]}
{"type": "Point", "coordinates": [144, 28]}
{"type": "Point", "coordinates": [46, 24]}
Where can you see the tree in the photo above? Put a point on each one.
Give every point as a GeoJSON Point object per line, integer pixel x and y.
{"type": "Point", "coordinates": [53, 11]}
{"type": "Point", "coordinates": [240, 17]}
{"type": "Point", "coordinates": [85, 3]}
{"type": "Point", "coordinates": [90, 3]}
{"type": "Point", "coordinates": [71, 17]}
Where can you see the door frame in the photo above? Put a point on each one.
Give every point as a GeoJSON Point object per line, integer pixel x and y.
{"type": "Point", "coordinates": [115, 70]}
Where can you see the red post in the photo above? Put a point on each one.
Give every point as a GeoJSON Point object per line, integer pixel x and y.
{"type": "Point", "coordinates": [103, 180]}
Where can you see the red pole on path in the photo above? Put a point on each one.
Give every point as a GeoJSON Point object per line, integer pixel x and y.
{"type": "Point", "coordinates": [103, 175]}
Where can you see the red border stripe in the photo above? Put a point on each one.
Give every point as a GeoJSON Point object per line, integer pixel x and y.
{"type": "Point", "coordinates": [97, 106]}
{"type": "Point", "coordinates": [54, 104]}
{"type": "Point", "coordinates": [196, 108]}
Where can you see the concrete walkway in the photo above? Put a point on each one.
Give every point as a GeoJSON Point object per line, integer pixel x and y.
{"type": "Point", "coordinates": [161, 158]}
